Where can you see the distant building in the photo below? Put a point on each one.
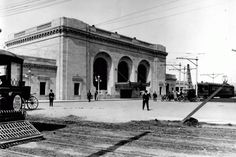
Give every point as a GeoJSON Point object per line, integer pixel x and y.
{"type": "Point", "coordinates": [170, 83]}
{"type": "Point", "coordinates": [181, 85]}
{"type": "Point", "coordinates": [72, 57]}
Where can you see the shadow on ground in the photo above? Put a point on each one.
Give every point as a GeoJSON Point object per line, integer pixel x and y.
{"type": "Point", "coordinates": [117, 145]}
{"type": "Point", "coordinates": [40, 126]}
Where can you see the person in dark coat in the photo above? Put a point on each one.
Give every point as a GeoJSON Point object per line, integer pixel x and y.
{"type": "Point", "coordinates": [95, 95]}
{"type": "Point", "coordinates": [89, 96]}
{"type": "Point", "coordinates": [51, 98]}
{"type": "Point", "coordinates": [154, 95]}
{"type": "Point", "coordinates": [146, 97]}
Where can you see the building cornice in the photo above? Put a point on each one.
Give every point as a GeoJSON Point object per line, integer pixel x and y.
{"type": "Point", "coordinates": [34, 36]}
{"type": "Point", "coordinates": [89, 33]}
{"type": "Point", "coordinates": [39, 66]}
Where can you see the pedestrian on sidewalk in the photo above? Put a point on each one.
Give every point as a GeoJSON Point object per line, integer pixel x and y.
{"type": "Point", "coordinates": [154, 95]}
{"type": "Point", "coordinates": [51, 98]}
{"type": "Point", "coordinates": [89, 96]}
{"type": "Point", "coordinates": [95, 95]}
{"type": "Point", "coordinates": [146, 97]}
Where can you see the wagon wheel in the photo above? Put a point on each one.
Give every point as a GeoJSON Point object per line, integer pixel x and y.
{"type": "Point", "coordinates": [32, 103]}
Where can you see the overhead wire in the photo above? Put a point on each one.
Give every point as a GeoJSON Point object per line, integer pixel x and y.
{"type": "Point", "coordinates": [33, 6]}
{"type": "Point", "coordinates": [145, 14]}
{"type": "Point", "coordinates": [24, 6]}
{"type": "Point", "coordinates": [163, 17]}
{"type": "Point", "coordinates": [135, 12]}
{"type": "Point", "coordinates": [158, 17]}
{"type": "Point", "coordinates": [16, 4]}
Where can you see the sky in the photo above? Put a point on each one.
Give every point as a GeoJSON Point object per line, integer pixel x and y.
{"type": "Point", "coordinates": [187, 28]}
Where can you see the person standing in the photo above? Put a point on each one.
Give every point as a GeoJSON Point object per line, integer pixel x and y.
{"type": "Point", "coordinates": [51, 98]}
{"type": "Point", "coordinates": [89, 95]}
{"type": "Point", "coordinates": [146, 97]}
{"type": "Point", "coordinates": [154, 95]}
{"type": "Point", "coordinates": [95, 95]}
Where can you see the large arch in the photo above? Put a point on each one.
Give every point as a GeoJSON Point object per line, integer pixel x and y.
{"type": "Point", "coordinates": [124, 69]}
{"type": "Point", "coordinates": [143, 71]}
{"type": "Point", "coordinates": [101, 70]}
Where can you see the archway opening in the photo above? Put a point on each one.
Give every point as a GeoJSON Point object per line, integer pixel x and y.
{"type": "Point", "coordinates": [100, 68]}
{"type": "Point", "coordinates": [123, 72]}
{"type": "Point", "coordinates": [142, 73]}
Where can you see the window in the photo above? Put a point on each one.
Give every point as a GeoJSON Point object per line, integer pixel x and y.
{"type": "Point", "coordinates": [42, 88]}
{"type": "Point", "coordinates": [3, 75]}
{"type": "Point", "coordinates": [76, 88]}
{"type": "Point", "coordinates": [15, 74]}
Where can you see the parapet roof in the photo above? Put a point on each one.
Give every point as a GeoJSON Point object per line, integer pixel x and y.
{"type": "Point", "coordinates": [80, 25]}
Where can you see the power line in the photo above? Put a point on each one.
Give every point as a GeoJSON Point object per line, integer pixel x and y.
{"type": "Point", "coordinates": [34, 6]}
{"type": "Point", "coordinates": [117, 20]}
{"type": "Point", "coordinates": [133, 13]}
{"type": "Point", "coordinates": [25, 6]}
{"type": "Point", "coordinates": [163, 17]}
{"type": "Point", "coordinates": [14, 4]}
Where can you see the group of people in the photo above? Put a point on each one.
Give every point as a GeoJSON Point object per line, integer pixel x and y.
{"type": "Point", "coordinates": [89, 95]}
{"type": "Point", "coordinates": [146, 96]}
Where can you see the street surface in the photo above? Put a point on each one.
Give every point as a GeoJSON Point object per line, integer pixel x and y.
{"type": "Point", "coordinates": [123, 129]}
{"type": "Point", "coordinates": [128, 110]}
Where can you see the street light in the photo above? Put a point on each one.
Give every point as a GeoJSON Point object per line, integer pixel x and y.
{"type": "Point", "coordinates": [29, 75]}
{"type": "Point", "coordinates": [196, 64]}
{"type": "Point", "coordinates": [97, 79]}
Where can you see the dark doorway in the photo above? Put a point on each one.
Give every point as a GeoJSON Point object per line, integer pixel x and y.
{"type": "Point", "coordinates": [142, 73]}
{"type": "Point", "coordinates": [123, 72]}
{"type": "Point", "coordinates": [125, 93]}
{"type": "Point", "coordinates": [100, 69]}
{"type": "Point", "coordinates": [167, 88]}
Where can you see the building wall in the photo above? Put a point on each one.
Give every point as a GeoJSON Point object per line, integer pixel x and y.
{"type": "Point", "coordinates": [75, 46]}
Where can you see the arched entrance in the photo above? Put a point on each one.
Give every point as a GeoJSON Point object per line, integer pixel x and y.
{"type": "Point", "coordinates": [123, 72]}
{"type": "Point", "coordinates": [143, 71]}
{"type": "Point", "coordinates": [100, 71]}
{"type": "Point", "coordinates": [124, 69]}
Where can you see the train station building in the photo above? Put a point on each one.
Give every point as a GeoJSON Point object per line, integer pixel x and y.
{"type": "Point", "coordinates": [72, 57]}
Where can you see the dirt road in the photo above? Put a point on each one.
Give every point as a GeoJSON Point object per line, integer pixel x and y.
{"type": "Point", "coordinates": [72, 136]}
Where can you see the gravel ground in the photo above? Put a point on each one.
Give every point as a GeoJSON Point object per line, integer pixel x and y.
{"type": "Point", "coordinates": [122, 128]}
{"type": "Point", "coordinates": [71, 136]}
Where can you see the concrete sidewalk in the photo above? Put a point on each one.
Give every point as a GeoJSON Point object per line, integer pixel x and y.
{"type": "Point", "coordinates": [128, 110]}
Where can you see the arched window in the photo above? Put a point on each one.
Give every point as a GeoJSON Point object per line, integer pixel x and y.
{"type": "Point", "coordinates": [123, 72]}
{"type": "Point", "coordinates": [100, 68]}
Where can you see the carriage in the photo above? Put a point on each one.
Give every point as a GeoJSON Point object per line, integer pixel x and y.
{"type": "Point", "coordinates": [13, 97]}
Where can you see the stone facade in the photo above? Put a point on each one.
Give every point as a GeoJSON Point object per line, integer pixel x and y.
{"type": "Point", "coordinates": [76, 54]}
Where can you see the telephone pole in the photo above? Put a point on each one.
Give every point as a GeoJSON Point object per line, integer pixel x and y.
{"type": "Point", "coordinates": [196, 64]}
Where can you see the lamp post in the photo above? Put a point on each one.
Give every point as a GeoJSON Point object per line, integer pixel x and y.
{"type": "Point", "coordinates": [97, 79]}
{"type": "Point", "coordinates": [29, 75]}
{"type": "Point", "coordinates": [196, 64]}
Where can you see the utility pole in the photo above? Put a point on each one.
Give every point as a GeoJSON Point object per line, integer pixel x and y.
{"type": "Point", "coordinates": [213, 75]}
{"type": "Point", "coordinates": [196, 64]}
